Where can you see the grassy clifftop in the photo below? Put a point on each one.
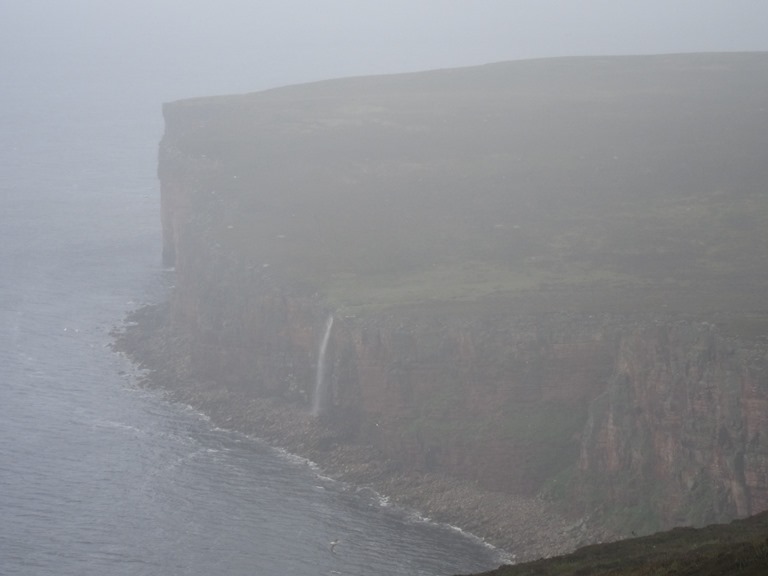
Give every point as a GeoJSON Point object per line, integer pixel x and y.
{"type": "Point", "coordinates": [625, 183]}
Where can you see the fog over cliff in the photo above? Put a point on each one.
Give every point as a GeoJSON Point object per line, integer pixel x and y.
{"type": "Point", "coordinates": [177, 49]}
{"type": "Point", "coordinates": [125, 58]}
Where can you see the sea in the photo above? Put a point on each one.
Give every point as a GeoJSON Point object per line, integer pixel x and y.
{"type": "Point", "coordinates": [97, 474]}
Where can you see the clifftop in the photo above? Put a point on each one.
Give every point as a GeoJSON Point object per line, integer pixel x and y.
{"type": "Point", "coordinates": [587, 184]}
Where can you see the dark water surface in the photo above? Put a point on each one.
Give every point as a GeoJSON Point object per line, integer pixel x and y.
{"type": "Point", "coordinates": [98, 476]}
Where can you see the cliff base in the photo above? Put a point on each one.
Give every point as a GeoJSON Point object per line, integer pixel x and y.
{"type": "Point", "coordinates": [526, 527]}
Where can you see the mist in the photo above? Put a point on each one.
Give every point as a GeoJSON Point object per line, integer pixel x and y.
{"type": "Point", "coordinates": [175, 49]}
{"type": "Point", "coordinates": [119, 61]}
{"type": "Point", "coordinates": [482, 288]}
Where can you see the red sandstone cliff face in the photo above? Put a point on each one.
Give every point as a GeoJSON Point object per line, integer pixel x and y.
{"type": "Point", "coordinates": [498, 400]}
{"type": "Point", "coordinates": [682, 424]}
{"type": "Point", "coordinates": [479, 393]}
{"type": "Point", "coordinates": [665, 422]}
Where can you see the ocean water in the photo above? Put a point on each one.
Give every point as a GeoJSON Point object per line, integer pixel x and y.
{"type": "Point", "coordinates": [97, 475]}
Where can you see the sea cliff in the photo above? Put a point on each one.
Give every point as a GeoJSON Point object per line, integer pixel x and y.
{"type": "Point", "coordinates": [548, 283]}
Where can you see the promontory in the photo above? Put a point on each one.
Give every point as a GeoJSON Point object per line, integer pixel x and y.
{"type": "Point", "coordinates": [528, 298]}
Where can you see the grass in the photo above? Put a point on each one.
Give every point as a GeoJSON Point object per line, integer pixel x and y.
{"type": "Point", "coordinates": [739, 548]}
{"type": "Point", "coordinates": [610, 176]}
{"type": "Point", "coordinates": [465, 281]}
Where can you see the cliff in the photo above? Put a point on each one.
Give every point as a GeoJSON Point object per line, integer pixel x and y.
{"type": "Point", "coordinates": [547, 278]}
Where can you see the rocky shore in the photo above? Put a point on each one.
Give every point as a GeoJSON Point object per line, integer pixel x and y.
{"type": "Point", "coordinates": [526, 527]}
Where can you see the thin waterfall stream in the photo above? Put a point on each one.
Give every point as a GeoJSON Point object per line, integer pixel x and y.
{"type": "Point", "coordinates": [320, 380]}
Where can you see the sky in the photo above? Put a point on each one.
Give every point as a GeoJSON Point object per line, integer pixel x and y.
{"type": "Point", "coordinates": [183, 48]}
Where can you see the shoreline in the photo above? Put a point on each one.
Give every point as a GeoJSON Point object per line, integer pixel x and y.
{"type": "Point", "coordinates": [523, 528]}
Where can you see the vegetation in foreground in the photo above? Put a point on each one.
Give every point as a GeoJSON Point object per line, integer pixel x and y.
{"type": "Point", "coordinates": [738, 548]}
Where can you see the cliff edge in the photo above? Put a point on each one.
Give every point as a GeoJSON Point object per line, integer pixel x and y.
{"type": "Point", "coordinates": [547, 283]}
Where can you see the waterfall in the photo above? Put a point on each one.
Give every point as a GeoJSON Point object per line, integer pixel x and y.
{"type": "Point", "coordinates": [318, 399]}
